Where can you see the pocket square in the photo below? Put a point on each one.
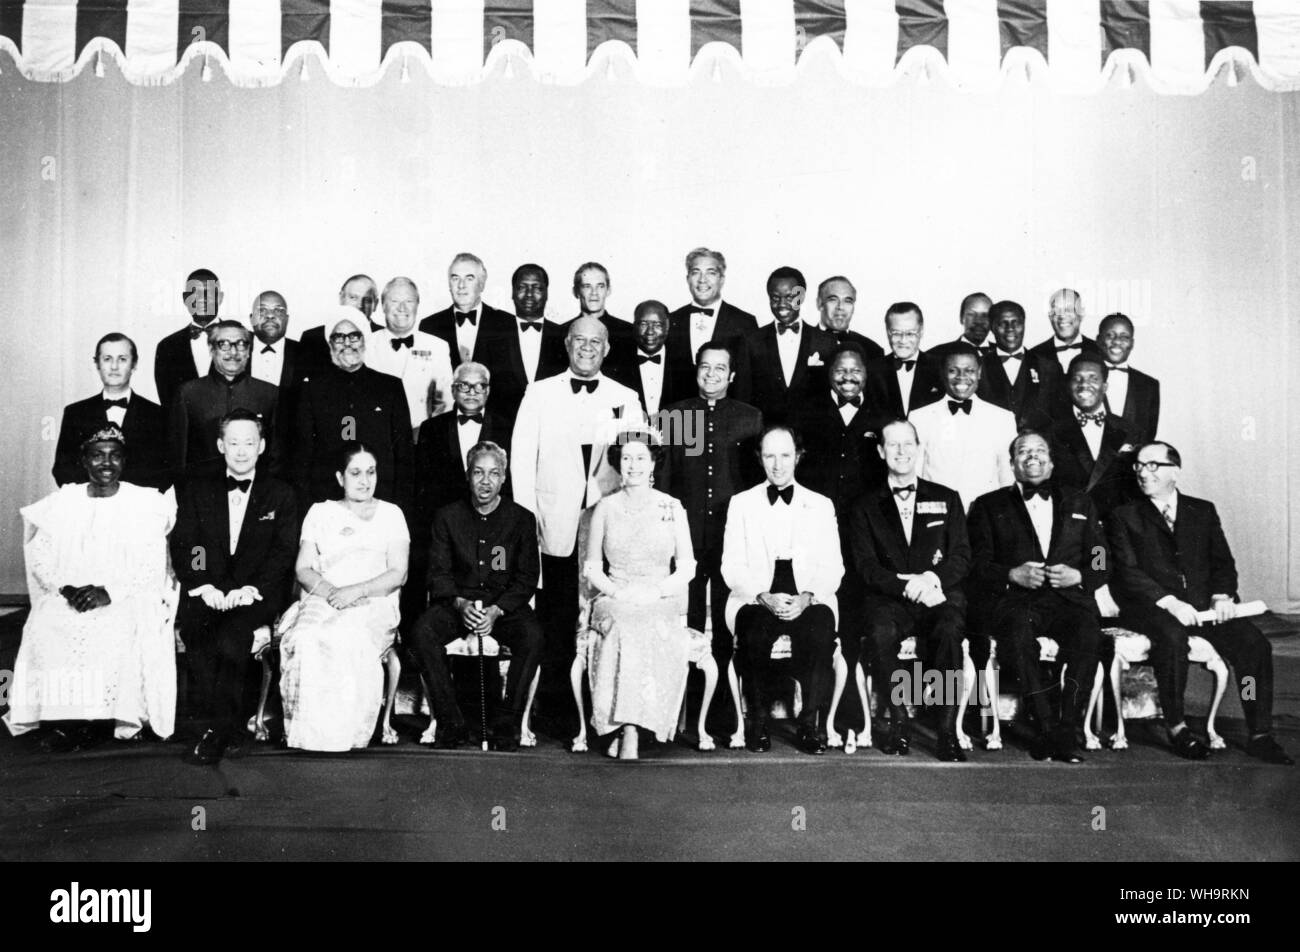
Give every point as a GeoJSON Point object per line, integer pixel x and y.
{"type": "Point", "coordinates": [1033, 375]}
{"type": "Point", "coordinates": [1078, 515]}
{"type": "Point", "coordinates": [268, 517]}
{"type": "Point", "coordinates": [931, 525]}
{"type": "Point", "coordinates": [815, 360]}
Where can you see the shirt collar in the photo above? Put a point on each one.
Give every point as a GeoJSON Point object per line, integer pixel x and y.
{"type": "Point", "coordinates": [218, 376]}
{"type": "Point", "coordinates": [103, 393]}
{"type": "Point", "coordinates": [249, 477]}
{"type": "Point", "coordinates": [895, 481]}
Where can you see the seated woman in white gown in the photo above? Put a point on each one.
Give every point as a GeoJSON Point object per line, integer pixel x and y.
{"type": "Point", "coordinates": [641, 658]}
{"type": "Point", "coordinates": [98, 655]}
{"type": "Point", "coordinates": [352, 562]}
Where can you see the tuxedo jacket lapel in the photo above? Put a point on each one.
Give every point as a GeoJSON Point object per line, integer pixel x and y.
{"type": "Point", "coordinates": [895, 538]}
{"type": "Point", "coordinates": [221, 513]}
{"type": "Point", "coordinates": [1111, 440]}
{"type": "Point", "coordinates": [453, 442]}
{"type": "Point", "coordinates": [1078, 445]}
{"type": "Point", "coordinates": [801, 359]}
{"type": "Point", "coordinates": [1026, 524]}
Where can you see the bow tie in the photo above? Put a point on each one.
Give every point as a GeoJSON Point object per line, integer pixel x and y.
{"type": "Point", "coordinates": [588, 385]}
{"type": "Point", "coordinates": [400, 342]}
{"type": "Point", "coordinates": [1065, 347]}
{"type": "Point", "coordinates": [195, 330]}
{"type": "Point", "coordinates": [1042, 490]}
{"type": "Point", "coordinates": [842, 402]}
{"type": "Point", "coordinates": [115, 403]}
{"type": "Point", "coordinates": [708, 311]}
{"type": "Point", "coordinates": [1018, 355]}
{"type": "Point", "coordinates": [530, 326]}
{"type": "Point", "coordinates": [792, 327]}
{"type": "Point", "coordinates": [656, 359]}
{"type": "Point", "coordinates": [240, 484]}
{"type": "Point", "coordinates": [268, 349]}
{"type": "Point", "coordinates": [1116, 368]}
{"type": "Point", "coordinates": [900, 362]}
{"type": "Point", "coordinates": [962, 405]}
{"type": "Point", "coordinates": [463, 316]}
{"type": "Point", "coordinates": [463, 418]}
{"type": "Point", "coordinates": [785, 495]}
{"type": "Point", "coordinates": [1099, 417]}
{"type": "Point", "coordinates": [904, 491]}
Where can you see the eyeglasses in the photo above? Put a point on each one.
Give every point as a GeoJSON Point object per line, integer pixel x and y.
{"type": "Point", "coordinates": [354, 338]}
{"type": "Point", "coordinates": [226, 346]}
{"type": "Point", "coordinates": [1150, 466]}
{"type": "Point", "coordinates": [463, 387]}
{"type": "Point", "coordinates": [903, 335]}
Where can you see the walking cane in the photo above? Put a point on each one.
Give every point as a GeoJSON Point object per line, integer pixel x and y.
{"type": "Point", "coordinates": [482, 680]}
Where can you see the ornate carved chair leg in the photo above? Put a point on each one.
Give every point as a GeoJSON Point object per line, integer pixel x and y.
{"type": "Point", "coordinates": [431, 731]}
{"type": "Point", "coordinates": [258, 724]}
{"type": "Point", "coordinates": [968, 677]}
{"type": "Point", "coordinates": [863, 738]}
{"type": "Point", "coordinates": [575, 681]}
{"type": "Point", "coordinates": [1090, 741]}
{"type": "Point", "coordinates": [709, 665]}
{"type": "Point", "coordinates": [526, 736]}
{"type": "Point", "coordinates": [991, 682]}
{"type": "Point", "coordinates": [1119, 741]}
{"type": "Point", "coordinates": [1220, 671]}
{"type": "Point", "coordinates": [393, 665]}
{"type": "Point", "coordinates": [841, 668]}
{"type": "Point", "coordinates": [737, 741]}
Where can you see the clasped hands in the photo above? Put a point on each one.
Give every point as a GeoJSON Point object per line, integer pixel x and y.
{"type": "Point", "coordinates": [478, 621]}
{"type": "Point", "coordinates": [1037, 574]}
{"type": "Point", "coordinates": [84, 598]}
{"type": "Point", "coordinates": [785, 607]}
{"type": "Point", "coordinates": [924, 588]}
{"type": "Point", "coordinates": [235, 598]}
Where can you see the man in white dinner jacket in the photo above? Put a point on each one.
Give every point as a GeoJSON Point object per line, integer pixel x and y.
{"type": "Point", "coordinates": [421, 361]}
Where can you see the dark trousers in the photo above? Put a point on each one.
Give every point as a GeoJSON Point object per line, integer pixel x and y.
{"type": "Point", "coordinates": [708, 582]}
{"type": "Point", "coordinates": [1240, 642]}
{"type": "Point", "coordinates": [1017, 625]}
{"type": "Point", "coordinates": [217, 645]}
{"type": "Point", "coordinates": [519, 631]}
{"type": "Point", "coordinates": [557, 604]}
{"type": "Point", "coordinates": [938, 632]}
{"type": "Point", "coordinates": [415, 593]}
{"type": "Point", "coordinates": [812, 643]}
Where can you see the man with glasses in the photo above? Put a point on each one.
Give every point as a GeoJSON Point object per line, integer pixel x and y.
{"type": "Point", "coordinates": [200, 405]}
{"type": "Point", "coordinates": [183, 355]}
{"type": "Point", "coordinates": [1174, 576]}
{"type": "Point", "coordinates": [358, 291]}
{"type": "Point", "coordinates": [421, 361]}
{"type": "Point", "coordinates": [907, 377]}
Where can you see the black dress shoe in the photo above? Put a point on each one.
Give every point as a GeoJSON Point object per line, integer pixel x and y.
{"type": "Point", "coordinates": [1065, 749]}
{"type": "Point", "coordinates": [451, 737]}
{"type": "Point", "coordinates": [236, 745]}
{"type": "Point", "coordinates": [1187, 746]}
{"type": "Point", "coordinates": [1041, 747]}
{"type": "Point", "coordinates": [898, 744]}
{"type": "Point", "coordinates": [207, 751]}
{"type": "Point", "coordinates": [505, 739]}
{"type": "Point", "coordinates": [1269, 751]}
{"type": "Point", "coordinates": [60, 741]}
{"type": "Point", "coordinates": [949, 751]}
{"type": "Point", "coordinates": [810, 742]}
{"type": "Point", "coordinates": [757, 741]}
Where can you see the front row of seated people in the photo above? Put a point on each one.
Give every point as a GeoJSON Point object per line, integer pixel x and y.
{"type": "Point", "coordinates": [1032, 559]}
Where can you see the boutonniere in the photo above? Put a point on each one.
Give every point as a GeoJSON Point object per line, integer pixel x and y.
{"type": "Point", "coordinates": [938, 557]}
{"type": "Point", "coordinates": [268, 517]}
{"type": "Point", "coordinates": [869, 435]}
{"type": "Point", "coordinates": [1126, 448]}
{"type": "Point", "coordinates": [815, 360]}
{"type": "Point", "coordinates": [379, 409]}
{"type": "Point", "coordinates": [422, 354]}
{"type": "Point", "coordinates": [1033, 375]}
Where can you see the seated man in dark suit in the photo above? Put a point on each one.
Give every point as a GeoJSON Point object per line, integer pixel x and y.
{"type": "Point", "coordinates": [1172, 561]}
{"type": "Point", "coordinates": [708, 317]}
{"type": "Point", "coordinates": [483, 569]}
{"type": "Point", "coordinates": [782, 363]}
{"type": "Point", "coordinates": [1095, 454]}
{"type": "Point", "coordinates": [233, 550]}
{"type": "Point", "coordinates": [1038, 558]}
{"type": "Point", "coordinates": [470, 324]}
{"type": "Point", "coordinates": [1013, 378]}
{"type": "Point", "coordinates": [1131, 395]}
{"type": "Point", "coordinates": [911, 555]}
{"type": "Point", "coordinates": [974, 315]}
{"type": "Point", "coordinates": [183, 355]}
{"type": "Point", "coordinates": [836, 300]}
{"type": "Point", "coordinates": [142, 422]}
{"type": "Point", "coordinates": [907, 377]}
{"type": "Point", "coordinates": [201, 404]}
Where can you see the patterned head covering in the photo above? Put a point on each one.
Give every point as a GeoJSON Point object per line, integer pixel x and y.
{"type": "Point", "coordinates": [104, 434]}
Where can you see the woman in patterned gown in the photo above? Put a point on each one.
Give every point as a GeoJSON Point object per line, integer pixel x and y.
{"type": "Point", "coordinates": [641, 656]}
{"type": "Point", "coordinates": [351, 565]}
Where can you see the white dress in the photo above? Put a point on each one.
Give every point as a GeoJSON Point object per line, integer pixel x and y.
{"type": "Point", "coordinates": [331, 680]}
{"type": "Point", "coordinates": [113, 663]}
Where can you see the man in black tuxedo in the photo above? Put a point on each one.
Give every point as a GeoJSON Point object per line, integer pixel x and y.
{"type": "Point", "coordinates": [836, 300]}
{"type": "Point", "coordinates": [1013, 378]}
{"type": "Point", "coordinates": [592, 287]}
{"type": "Point", "coordinates": [1131, 395]}
{"type": "Point", "coordinates": [711, 453]}
{"type": "Point", "coordinates": [907, 377]}
{"type": "Point", "coordinates": [483, 569]}
{"type": "Point", "coordinates": [708, 318]}
{"type": "Point", "coordinates": [911, 555]}
{"type": "Point", "coordinates": [358, 291]}
{"type": "Point", "coordinates": [1065, 313]}
{"type": "Point", "coordinates": [201, 404]}
{"type": "Point", "coordinates": [784, 362]}
{"type": "Point", "coordinates": [350, 401]}
{"type": "Point", "coordinates": [233, 550]}
{"type": "Point", "coordinates": [142, 422]}
{"type": "Point", "coordinates": [531, 347]}
{"type": "Point", "coordinates": [183, 355]}
{"type": "Point", "coordinates": [470, 324]}
{"type": "Point", "coordinates": [1172, 561]}
{"type": "Point", "coordinates": [1038, 557]}
{"type": "Point", "coordinates": [647, 370]}
{"type": "Point", "coordinates": [1094, 451]}
{"type": "Point", "coordinates": [275, 358]}
{"type": "Point", "coordinates": [974, 316]}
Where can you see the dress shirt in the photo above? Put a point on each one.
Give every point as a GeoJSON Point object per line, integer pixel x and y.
{"type": "Point", "coordinates": [530, 348]}
{"type": "Point", "coordinates": [787, 344]}
{"type": "Point", "coordinates": [116, 415]}
{"type": "Point", "coordinates": [238, 507]}
{"type": "Point", "coordinates": [426, 361]}
{"type": "Point", "coordinates": [703, 326]}
{"type": "Point", "coordinates": [848, 411]}
{"type": "Point", "coordinates": [966, 452]}
{"type": "Point", "coordinates": [202, 355]}
{"type": "Point", "coordinates": [906, 507]}
{"type": "Point", "coordinates": [905, 377]}
{"type": "Point", "coordinates": [1063, 357]}
{"type": "Point", "coordinates": [652, 379]}
{"type": "Point", "coordinates": [1092, 434]}
{"type": "Point", "coordinates": [778, 527]}
{"type": "Point", "coordinates": [1040, 514]}
{"type": "Point", "coordinates": [467, 333]}
{"type": "Point", "coordinates": [1117, 388]}
{"type": "Point", "coordinates": [1012, 364]}
{"type": "Point", "coordinates": [467, 433]}
{"type": "Point", "coordinates": [268, 364]}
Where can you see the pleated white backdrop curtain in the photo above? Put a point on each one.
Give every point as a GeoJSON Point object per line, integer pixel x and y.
{"type": "Point", "coordinates": [1180, 211]}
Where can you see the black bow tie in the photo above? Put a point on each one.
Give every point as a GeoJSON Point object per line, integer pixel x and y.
{"type": "Point", "coordinates": [530, 326]}
{"type": "Point", "coordinates": [115, 403]}
{"type": "Point", "coordinates": [588, 385]}
{"type": "Point", "coordinates": [268, 349]}
{"type": "Point", "coordinates": [463, 316]}
{"type": "Point", "coordinates": [962, 405]}
{"type": "Point", "coordinates": [1042, 490]}
{"type": "Point", "coordinates": [792, 327]}
{"type": "Point", "coordinates": [240, 484]}
{"type": "Point", "coordinates": [195, 330]}
{"type": "Point", "coordinates": [1069, 347]}
{"type": "Point", "coordinates": [656, 359]}
{"type": "Point", "coordinates": [900, 362]}
{"type": "Point", "coordinates": [904, 491]}
{"type": "Point", "coordinates": [785, 495]}
{"type": "Point", "coordinates": [701, 310]}
{"type": "Point", "coordinates": [1099, 417]}
{"type": "Point", "coordinates": [1019, 355]}
{"type": "Point", "coordinates": [400, 342]}
{"type": "Point", "coordinates": [463, 418]}
{"type": "Point", "coordinates": [1116, 368]}
{"type": "Point", "coordinates": [845, 401]}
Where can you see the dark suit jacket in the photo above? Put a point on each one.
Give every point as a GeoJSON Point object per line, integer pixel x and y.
{"type": "Point", "coordinates": [291, 371]}
{"type": "Point", "coordinates": [1002, 537]}
{"type": "Point", "coordinates": [314, 351]}
{"type": "Point", "coordinates": [1141, 406]}
{"type": "Point", "coordinates": [704, 468]}
{"type": "Point", "coordinates": [508, 576]}
{"type": "Point", "coordinates": [677, 384]}
{"type": "Point", "coordinates": [939, 543]}
{"type": "Point", "coordinates": [840, 462]}
{"type": "Point", "coordinates": [1191, 563]}
{"type": "Point", "coordinates": [1058, 396]}
{"type": "Point", "coordinates": [1108, 480]}
{"type": "Point", "coordinates": [732, 326]}
{"type": "Point", "coordinates": [265, 553]}
{"type": "Point", "coordinates": [440, 477]}
{"type": "Point", "coordinates": [195, 419]}
{"type": "Point", "coordinates": [760, 380]}
{"type": "Point", "coordinates": [509, 378]}
{"type": "Point", "coordinates": [882, 384]}
{"type": "Point", "coordinates": [144, 427]}
{"type": "Point", "coordinates": [1028, 396]}
{"type": "Point", "coordinates": [864, 345]}
{"type": "Point", "coordinates": [1047, 348]}
{"type": "Point", "coordinates": [492, 322]}
{"type": "Point", "coordinates": [173, 365]}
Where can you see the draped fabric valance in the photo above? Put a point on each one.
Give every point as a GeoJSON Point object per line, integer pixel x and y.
{"type": "Point", "coordinates": [1177, 46]}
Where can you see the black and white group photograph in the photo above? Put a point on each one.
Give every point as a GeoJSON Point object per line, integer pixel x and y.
{"type": "Point", "coordinates": [651, 430]}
